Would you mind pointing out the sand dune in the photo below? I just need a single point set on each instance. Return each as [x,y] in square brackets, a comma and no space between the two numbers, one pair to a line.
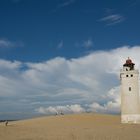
[70,127]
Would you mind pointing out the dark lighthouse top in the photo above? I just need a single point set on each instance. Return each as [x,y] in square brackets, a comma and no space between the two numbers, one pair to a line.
[129,64]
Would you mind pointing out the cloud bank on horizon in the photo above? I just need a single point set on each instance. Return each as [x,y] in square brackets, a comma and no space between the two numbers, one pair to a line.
[85,84]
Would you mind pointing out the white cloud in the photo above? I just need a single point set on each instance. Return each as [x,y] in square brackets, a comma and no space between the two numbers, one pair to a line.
[91,81]
[112,19]
[61,109]
[4,64]
[111,106]
[60,45]
[66,3]
[4,43]
[63,4]
[88,43]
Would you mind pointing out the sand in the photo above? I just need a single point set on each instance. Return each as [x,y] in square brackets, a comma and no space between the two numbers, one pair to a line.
[71,127]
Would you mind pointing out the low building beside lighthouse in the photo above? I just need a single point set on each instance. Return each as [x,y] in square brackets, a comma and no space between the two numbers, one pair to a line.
[130,102]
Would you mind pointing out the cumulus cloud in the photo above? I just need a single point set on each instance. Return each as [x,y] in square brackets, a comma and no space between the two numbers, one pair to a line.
[112,19]
[111,106]
[61,109]
[89,83]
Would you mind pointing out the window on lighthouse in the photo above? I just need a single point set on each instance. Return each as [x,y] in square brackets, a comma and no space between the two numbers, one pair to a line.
[129,88]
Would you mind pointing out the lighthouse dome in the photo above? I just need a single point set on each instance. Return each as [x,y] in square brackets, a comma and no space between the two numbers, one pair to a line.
[129,64]
[128,61]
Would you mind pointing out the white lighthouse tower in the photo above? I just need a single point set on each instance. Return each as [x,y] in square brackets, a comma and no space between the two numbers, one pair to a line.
[130,104]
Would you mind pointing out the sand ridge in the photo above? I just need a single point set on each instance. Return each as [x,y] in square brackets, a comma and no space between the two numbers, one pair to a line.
[86,126]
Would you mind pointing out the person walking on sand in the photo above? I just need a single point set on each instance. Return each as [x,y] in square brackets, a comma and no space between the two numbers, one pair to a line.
[6,123]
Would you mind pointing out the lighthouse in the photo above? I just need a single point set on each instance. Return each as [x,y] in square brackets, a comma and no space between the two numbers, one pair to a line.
[130,104]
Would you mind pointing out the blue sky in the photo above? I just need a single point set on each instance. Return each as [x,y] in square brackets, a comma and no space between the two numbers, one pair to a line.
[56,55]
[43,29]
